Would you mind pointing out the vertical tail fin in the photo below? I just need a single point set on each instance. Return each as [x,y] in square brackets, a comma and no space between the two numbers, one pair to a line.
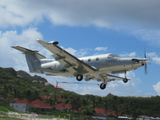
[32,58]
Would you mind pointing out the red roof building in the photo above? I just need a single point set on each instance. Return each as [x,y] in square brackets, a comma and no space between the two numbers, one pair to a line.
[58,87]
[61,106]
[39,104]
[24,105]
[100,111]
[47,84]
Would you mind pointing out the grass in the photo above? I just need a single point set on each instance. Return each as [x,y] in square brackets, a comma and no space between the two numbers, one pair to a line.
[67,114]
[6,109]
[9,118]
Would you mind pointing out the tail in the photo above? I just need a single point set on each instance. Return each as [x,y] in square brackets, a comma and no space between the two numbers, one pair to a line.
[32,58]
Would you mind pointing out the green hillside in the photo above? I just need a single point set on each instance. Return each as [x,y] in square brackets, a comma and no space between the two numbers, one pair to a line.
[21,85]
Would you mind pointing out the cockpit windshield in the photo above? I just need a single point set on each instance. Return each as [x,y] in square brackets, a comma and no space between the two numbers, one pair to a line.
[112,56]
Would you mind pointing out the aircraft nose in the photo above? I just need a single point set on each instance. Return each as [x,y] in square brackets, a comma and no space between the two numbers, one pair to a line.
[146,60]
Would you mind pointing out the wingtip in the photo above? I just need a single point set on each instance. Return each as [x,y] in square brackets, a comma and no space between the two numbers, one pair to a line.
[15,47]
[44,42]
[41,41]
[38,40]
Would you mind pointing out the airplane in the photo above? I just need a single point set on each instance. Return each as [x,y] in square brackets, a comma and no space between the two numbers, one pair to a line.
[97,67]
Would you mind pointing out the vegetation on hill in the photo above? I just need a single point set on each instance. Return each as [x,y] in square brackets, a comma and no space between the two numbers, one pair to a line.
[21,85]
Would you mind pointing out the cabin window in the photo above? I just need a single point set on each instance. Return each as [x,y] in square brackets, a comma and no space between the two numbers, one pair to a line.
[97,59]
[89,60]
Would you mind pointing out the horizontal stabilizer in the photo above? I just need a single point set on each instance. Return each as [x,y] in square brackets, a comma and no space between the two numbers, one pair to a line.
[28,51]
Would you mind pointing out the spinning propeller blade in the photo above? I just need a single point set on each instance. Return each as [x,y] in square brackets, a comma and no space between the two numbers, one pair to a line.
[145,65]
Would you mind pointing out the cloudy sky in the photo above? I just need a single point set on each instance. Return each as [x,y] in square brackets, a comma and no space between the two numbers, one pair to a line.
[124,27]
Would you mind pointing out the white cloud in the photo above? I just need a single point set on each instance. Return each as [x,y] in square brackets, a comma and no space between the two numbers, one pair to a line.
[157,88]
[132,54]
[104,13]
[154,57]
[77,53]
[101,48]
[148,35]
[11,57]
[71,50]
[85,13]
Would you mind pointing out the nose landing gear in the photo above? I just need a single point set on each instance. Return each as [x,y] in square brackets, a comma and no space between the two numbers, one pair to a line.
[125,80]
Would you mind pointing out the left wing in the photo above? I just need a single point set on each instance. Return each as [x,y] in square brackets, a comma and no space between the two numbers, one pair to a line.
[70,62]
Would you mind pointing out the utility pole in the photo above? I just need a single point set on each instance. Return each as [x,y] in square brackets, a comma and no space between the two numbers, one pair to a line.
[55,93]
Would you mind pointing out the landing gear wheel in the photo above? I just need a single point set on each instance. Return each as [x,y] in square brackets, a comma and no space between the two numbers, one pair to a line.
[79,77]
[125,80]
[102,86]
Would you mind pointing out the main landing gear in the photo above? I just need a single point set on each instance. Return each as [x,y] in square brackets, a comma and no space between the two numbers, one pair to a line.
[103,86]
[79,77]
[125,80]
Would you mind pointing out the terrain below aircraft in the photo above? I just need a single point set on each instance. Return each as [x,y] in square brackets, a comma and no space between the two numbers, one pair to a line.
[97,67]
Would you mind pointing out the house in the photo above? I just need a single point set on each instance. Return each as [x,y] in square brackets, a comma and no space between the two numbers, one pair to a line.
[47,84]
[100,111]
[26,106]
[58,87]
[62,106]
[40,105]
[21,105]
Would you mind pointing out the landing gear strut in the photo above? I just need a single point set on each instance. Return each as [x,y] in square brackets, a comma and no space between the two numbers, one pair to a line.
[79,77]
[125,80]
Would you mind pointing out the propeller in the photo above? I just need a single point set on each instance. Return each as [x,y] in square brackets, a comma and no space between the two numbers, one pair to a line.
[145,64]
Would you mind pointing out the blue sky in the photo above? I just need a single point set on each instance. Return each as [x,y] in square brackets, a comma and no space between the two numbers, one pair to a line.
[84,28]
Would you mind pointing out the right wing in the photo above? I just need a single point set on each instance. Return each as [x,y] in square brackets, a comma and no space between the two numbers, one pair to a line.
[70,62]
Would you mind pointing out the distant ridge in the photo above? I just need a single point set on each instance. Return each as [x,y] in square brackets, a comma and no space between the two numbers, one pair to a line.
[23,74]
[28,76]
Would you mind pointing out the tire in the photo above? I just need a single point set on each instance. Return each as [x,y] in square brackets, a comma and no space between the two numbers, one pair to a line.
[102,86]
[125,80]
[79,77]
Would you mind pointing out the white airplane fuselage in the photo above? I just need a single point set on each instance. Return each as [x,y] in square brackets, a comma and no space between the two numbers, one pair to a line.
[102,63]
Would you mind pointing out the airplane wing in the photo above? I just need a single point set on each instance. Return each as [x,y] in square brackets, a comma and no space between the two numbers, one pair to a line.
[25,50]
[70,62]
